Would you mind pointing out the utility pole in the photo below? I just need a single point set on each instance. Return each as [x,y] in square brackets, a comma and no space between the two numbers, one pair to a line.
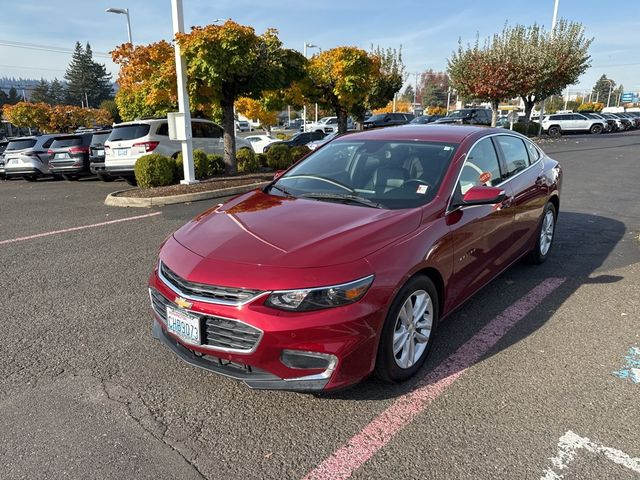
[183,127]
[415,94]
[610,88]
[448,98]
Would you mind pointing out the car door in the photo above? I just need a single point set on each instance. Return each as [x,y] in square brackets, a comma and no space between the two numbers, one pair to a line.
[580,122]
[480,234]
[524,174]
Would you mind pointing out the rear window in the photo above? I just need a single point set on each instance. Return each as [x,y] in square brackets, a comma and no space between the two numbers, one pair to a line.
[128,132]
[21,144]
[99,138]
[66,142]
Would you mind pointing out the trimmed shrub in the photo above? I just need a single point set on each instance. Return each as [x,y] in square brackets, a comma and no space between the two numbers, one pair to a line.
[216,163]
[279,157]
[262,159]
[282,136]
[247,161]
[154,170]
[298,152]
[200,165]
[532,132]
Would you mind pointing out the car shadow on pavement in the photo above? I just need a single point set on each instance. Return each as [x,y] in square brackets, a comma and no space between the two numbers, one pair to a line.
[582,249]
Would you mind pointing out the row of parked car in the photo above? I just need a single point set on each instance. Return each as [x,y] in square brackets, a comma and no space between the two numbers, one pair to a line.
[108,153]
[596,123]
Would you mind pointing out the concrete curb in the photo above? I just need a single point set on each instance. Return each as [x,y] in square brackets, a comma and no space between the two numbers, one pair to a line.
[115,200]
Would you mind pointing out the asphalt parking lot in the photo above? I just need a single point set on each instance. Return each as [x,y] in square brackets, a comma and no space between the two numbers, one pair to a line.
[532,378]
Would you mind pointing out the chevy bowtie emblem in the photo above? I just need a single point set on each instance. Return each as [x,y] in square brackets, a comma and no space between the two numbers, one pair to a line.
[182,303]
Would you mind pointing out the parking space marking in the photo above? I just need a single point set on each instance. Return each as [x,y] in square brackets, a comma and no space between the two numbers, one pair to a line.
[74,229]
[632,369]
[361,447]
[570,443]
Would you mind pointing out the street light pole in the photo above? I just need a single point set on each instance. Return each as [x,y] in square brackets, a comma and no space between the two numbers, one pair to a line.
[610,88]
[304,107]
[184,128]
[122,11]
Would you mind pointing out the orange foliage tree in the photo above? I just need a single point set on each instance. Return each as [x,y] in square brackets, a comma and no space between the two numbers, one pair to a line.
[55,119]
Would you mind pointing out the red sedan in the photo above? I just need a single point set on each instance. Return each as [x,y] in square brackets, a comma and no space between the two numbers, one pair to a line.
[345,264]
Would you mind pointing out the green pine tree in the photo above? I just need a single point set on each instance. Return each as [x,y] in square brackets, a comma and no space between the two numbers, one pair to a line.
[57,92]
[13,96]
[87,81]
[40,92]
[601,90]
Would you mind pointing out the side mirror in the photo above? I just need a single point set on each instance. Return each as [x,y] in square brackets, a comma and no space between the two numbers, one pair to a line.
[481,195]
[278,174]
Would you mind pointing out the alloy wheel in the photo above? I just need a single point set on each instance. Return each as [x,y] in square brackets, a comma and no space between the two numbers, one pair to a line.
[546,232]
[412,329]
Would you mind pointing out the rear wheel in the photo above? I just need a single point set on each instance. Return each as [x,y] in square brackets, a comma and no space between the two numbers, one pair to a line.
[554,131]
[30,178]
[545,236]
[408,330]
[596,129]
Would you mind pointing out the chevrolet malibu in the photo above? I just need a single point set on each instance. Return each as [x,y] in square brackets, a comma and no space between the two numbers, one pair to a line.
[347,262]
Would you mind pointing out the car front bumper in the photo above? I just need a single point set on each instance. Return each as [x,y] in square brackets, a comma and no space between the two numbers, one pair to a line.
[348,334]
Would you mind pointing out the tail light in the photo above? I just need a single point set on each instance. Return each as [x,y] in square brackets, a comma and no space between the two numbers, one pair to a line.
[148,146]
[107,150]
[49,152]
[79,150]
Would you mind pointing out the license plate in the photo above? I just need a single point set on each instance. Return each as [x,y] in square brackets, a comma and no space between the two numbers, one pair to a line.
[12,161]
[122,152]
[184,325]
[60,155]
[100,153]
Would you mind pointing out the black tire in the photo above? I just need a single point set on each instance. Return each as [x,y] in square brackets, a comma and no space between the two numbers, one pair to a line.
[539,255]
[105,178]
[554,131]
[387,368]
[596,129]
[30,178]
[131,181]
[69,178]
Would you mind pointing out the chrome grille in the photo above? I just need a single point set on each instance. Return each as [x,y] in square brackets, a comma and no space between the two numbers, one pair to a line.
[206,293]
[220,333]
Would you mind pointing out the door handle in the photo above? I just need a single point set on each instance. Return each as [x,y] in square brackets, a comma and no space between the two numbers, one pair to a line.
[541,181]
[506,203]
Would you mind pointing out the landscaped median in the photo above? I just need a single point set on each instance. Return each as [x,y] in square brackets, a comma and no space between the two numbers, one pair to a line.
[206,189]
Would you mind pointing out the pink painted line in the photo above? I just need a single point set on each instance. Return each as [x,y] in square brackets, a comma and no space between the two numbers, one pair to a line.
[361,447]
[74,229]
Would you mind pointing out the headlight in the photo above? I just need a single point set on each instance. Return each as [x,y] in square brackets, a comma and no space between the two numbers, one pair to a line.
[308,299]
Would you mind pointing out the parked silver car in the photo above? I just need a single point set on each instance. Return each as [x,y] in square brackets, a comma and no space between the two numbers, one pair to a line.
[28,157]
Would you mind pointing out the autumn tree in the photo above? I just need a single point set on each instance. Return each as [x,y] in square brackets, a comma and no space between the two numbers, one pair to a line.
[434,87]
[387,81]
[147,80]
[342,79]
[545,63]
[265,110]
[484,73]
[229,61]
[55,119]
[28,115]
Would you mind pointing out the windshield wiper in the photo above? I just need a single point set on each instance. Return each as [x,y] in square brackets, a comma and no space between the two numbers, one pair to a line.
[282,189]
[343,197]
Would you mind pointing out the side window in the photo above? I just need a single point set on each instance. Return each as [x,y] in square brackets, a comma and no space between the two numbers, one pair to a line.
[196,130]
[534,153]
[515,153]
[481,167]
[48,143]
[215,131]
[163,129]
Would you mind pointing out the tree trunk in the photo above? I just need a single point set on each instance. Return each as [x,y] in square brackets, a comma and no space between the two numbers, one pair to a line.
[494,112]
[229,126]
[529,103]
[342,120]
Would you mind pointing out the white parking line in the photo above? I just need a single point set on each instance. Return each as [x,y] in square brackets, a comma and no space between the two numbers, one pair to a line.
[74,229]
[570,443]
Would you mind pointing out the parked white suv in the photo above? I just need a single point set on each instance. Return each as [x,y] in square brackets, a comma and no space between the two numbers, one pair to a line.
[129,141]
[571,122]
[328,125]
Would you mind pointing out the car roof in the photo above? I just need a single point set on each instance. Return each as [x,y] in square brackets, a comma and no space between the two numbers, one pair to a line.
[416,132]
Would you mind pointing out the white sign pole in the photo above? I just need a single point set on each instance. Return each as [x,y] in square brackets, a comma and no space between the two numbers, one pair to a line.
[183,97]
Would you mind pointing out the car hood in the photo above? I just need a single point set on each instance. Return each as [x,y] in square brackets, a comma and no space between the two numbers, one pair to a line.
[261,229]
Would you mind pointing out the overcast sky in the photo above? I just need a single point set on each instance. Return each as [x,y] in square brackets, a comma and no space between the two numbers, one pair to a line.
[428,30]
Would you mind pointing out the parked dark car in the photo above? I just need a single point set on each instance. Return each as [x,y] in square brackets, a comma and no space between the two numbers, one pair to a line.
[468,116]
[69,156]
[387,120]
[3,147]
[96,155]
[298,140]
[424,119]
[610,124]
[346,263]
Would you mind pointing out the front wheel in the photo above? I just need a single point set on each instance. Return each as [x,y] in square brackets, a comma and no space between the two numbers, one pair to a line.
[554,131]
[408,330]
[596,129]
[545,235]
[30,178]
[105,177]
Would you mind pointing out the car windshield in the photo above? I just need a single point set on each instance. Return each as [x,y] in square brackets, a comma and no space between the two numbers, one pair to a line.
[370,173]
[63,142]
[460,113]
[128,132]
[21,144]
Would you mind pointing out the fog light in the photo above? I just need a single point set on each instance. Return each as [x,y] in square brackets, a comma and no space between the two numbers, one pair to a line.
[308,360]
